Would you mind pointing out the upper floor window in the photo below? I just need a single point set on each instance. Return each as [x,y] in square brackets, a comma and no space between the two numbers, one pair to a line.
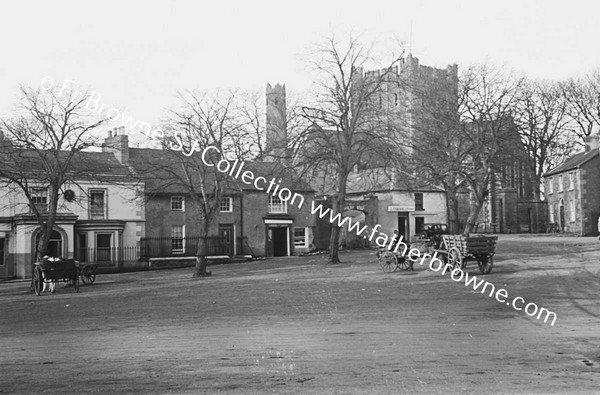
[97,204]
[177,203]
[277,205]
[560,183]
[419,201]
[226,205]
[39,197]
[550,185]
[571,180]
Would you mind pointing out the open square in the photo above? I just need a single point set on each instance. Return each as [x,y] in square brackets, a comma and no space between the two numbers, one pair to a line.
[296,325]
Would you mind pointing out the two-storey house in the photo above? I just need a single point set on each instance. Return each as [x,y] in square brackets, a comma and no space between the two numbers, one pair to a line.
[98,214]
[573,191]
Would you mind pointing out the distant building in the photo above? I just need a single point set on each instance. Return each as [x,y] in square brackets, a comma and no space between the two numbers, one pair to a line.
[573,191]
[510,206]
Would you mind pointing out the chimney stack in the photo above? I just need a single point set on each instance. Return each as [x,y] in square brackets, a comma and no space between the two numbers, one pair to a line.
[117,144]
[592,142]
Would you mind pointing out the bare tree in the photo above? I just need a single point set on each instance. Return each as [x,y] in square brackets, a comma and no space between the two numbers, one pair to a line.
[583,98]
[221,120]
[488,98]
[346,129]
[41,151]
[543,119]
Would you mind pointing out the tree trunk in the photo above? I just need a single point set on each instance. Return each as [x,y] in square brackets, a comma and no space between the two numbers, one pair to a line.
[475,205]
[201,253]
[452,207]
[338,207]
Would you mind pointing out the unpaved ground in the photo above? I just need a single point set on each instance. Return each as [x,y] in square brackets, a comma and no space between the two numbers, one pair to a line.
[294,325]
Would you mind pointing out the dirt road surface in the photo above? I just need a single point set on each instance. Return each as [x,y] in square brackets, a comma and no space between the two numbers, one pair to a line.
[296,325]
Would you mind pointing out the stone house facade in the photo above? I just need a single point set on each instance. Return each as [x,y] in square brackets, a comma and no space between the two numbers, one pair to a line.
[573,191]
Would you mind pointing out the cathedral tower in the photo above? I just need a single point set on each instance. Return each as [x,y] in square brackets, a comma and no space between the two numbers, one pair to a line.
[276,139]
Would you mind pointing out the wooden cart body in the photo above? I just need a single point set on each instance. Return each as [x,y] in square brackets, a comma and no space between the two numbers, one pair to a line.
[458,249]
[51,271]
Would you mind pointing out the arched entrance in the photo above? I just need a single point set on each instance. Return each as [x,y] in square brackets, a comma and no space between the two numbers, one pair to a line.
[55,244]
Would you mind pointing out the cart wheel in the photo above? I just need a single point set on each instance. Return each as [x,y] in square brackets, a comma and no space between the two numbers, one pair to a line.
[38,281]
[76,284]
[485,264]
[455,258]
[404,263]
[388,261]
[88,276]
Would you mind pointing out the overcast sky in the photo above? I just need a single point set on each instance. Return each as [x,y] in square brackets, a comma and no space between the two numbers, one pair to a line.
[138,54]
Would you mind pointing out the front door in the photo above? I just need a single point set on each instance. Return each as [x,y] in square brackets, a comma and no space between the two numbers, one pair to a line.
[561,216]
[403,226]
[277,241]
[226,236]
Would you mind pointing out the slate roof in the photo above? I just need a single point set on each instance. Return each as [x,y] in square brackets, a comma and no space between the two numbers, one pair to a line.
[379,180]
[162,171]
[573,162]
[84,164]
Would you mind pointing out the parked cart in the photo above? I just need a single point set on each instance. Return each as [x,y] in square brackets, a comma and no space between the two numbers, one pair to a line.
[87,273]
[48,271]
[458,249]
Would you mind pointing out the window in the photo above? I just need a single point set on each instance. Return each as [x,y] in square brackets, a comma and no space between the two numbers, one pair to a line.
[39,198]
[560,183]
[177,239]
[419,201]
[226,206]
[419,222]
[571,180]
[177,203]
[277,205]
[572,209]
[300,237]
[97,204]
[550,186]
[551,207]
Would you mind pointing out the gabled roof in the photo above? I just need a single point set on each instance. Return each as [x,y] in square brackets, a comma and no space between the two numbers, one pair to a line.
[163,171]
[573,162]
[381,179]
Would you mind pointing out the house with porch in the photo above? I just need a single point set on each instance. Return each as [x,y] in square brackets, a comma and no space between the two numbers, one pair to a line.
[98,214]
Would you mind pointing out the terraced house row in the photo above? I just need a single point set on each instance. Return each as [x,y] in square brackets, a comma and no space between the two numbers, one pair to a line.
[125,209]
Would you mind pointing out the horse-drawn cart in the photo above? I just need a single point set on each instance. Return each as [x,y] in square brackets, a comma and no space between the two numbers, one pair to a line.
[49,271]
[458,249]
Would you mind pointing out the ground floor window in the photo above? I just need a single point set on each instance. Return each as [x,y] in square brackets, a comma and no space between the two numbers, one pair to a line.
[2,252]
[419,222]
[103,247]
[300,237]
[177,239]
